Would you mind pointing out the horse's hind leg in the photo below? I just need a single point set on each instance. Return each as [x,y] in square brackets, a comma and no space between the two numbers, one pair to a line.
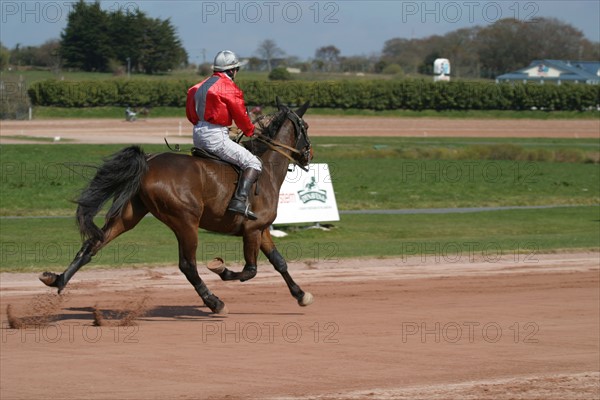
[251,246]
[276,259]
[187,237]
[133,212]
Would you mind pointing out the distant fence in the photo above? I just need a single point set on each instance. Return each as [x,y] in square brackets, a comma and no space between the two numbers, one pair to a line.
[372,95]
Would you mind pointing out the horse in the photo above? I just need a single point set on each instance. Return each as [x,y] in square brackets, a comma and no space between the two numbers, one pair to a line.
[187,193]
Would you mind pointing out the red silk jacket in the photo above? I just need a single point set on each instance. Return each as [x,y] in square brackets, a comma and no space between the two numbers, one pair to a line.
[218,100]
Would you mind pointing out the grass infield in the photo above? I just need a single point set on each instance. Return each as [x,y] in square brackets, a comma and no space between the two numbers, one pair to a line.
[35,244]
[368,173]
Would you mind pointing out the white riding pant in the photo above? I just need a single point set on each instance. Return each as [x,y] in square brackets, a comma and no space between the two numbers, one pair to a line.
[215,139]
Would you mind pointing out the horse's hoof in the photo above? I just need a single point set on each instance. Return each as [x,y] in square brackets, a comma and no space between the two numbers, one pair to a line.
[53,280]
[49,278]
[220,308]
[306,300]
[217,265]
[223,311]
[216,305]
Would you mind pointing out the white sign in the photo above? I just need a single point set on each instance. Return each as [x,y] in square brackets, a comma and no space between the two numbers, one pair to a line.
[441,69]
[307,196]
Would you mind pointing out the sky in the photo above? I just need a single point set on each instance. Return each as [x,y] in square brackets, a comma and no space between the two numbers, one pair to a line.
[298,27]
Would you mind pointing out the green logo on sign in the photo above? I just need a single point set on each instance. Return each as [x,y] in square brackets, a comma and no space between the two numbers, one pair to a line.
[311,192]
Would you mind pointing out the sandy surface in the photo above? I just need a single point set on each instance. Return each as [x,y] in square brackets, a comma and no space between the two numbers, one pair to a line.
[179,130]
[515,328]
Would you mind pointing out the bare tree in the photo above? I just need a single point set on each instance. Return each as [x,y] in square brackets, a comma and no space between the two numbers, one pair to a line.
[268,50]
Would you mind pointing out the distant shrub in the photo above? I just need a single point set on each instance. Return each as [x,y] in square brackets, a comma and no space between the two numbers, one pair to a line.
[406,94]
[280,74]
[392,69]
[570,155]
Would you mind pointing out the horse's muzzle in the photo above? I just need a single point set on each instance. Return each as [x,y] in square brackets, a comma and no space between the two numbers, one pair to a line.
[308,154]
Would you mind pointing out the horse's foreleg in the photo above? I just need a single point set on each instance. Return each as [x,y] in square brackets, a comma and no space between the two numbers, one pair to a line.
[132,214]
[277,260]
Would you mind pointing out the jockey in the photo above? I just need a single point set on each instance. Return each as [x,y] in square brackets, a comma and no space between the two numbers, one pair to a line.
[211,106]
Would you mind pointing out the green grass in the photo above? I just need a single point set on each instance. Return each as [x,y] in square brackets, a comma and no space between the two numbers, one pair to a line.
[367,173]
[37,244]
[438,184]
[457,114]
[103,112]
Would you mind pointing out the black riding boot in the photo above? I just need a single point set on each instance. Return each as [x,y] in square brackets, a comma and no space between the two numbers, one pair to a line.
[239,203]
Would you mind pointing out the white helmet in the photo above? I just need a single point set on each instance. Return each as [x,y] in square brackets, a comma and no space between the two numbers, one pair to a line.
[225,60]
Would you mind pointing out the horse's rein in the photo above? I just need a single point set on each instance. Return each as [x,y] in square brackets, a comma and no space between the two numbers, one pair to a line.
[275,145]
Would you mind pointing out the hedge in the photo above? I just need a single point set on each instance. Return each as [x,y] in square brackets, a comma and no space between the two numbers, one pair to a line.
[373,95]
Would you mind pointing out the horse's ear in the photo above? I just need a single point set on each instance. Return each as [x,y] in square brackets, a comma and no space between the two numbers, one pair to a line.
[300,112]
[278,102]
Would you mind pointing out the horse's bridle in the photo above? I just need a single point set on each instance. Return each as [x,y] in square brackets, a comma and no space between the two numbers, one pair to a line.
[300,157]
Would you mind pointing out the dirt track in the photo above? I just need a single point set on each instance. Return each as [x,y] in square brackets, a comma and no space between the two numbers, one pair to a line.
[523,327]
[397,328]
[179,131]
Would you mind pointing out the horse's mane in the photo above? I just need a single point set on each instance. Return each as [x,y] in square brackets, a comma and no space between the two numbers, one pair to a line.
[268,125]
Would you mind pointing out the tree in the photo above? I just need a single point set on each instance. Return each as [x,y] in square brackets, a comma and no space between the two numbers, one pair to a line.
[48,54]
[94,39]
[356,64]
[161,49]
[589,50]
[427,67]
[408,53]
[504,46]
[85,41]
[254,64]
[4,56]
[459,47]
[509,44]
[268,50]
[129,28]
[329,56]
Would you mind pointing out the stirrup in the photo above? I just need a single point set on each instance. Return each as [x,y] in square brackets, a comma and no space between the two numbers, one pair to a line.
[249,214]
[245,212]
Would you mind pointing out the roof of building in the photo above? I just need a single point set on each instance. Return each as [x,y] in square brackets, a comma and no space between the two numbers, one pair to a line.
[587,71]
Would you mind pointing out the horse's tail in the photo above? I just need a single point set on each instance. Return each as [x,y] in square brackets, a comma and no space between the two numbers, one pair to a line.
[119,177]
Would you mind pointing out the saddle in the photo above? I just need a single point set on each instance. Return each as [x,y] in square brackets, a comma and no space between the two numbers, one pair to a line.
[201,153]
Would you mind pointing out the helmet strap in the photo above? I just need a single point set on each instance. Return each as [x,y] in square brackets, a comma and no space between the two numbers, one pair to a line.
[230,73]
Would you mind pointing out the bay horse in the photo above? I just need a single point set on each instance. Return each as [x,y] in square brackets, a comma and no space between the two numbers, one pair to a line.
[186,193]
